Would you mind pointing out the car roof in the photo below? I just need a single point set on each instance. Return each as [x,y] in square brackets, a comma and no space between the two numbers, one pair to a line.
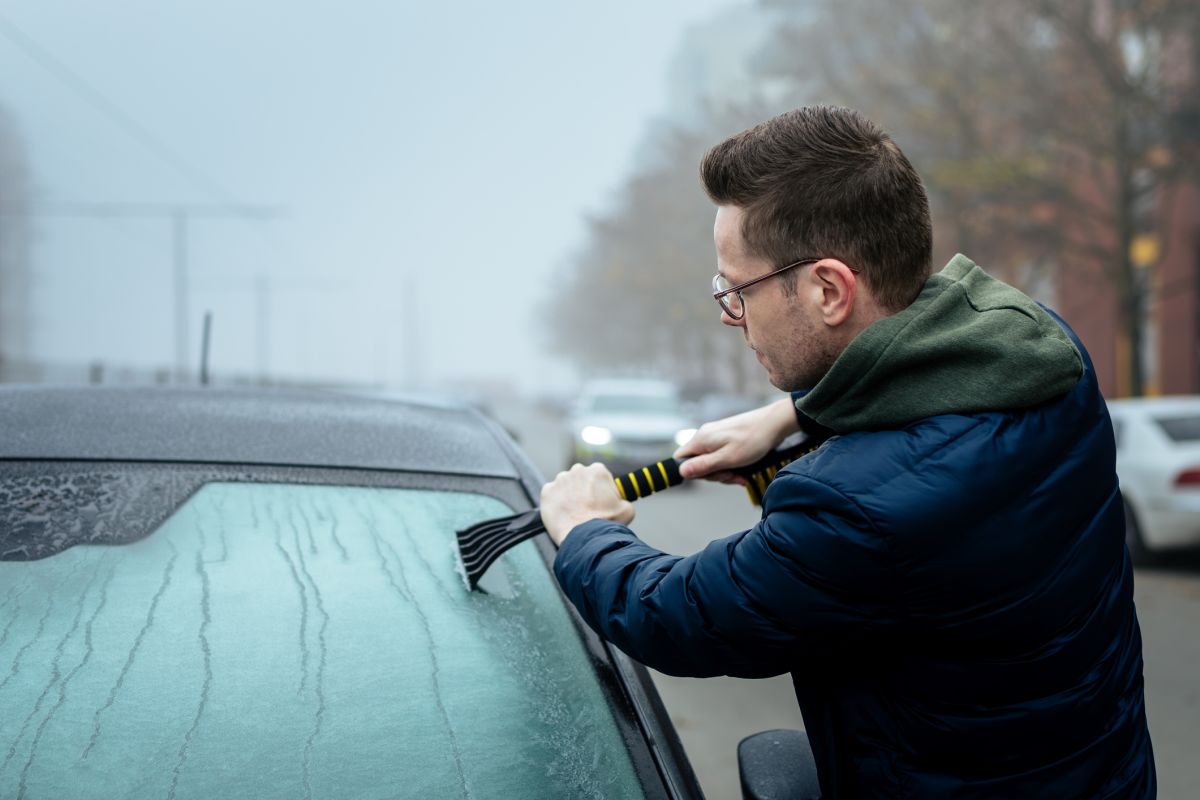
[1171,404]
[629,386]
[250,426]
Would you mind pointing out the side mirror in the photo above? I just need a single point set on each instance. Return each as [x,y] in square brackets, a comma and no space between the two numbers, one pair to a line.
[778,765]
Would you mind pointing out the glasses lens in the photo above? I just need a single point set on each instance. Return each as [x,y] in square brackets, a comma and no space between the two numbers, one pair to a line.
[732,302]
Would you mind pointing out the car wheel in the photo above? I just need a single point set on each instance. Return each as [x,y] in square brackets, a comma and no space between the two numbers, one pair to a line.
[1138,552]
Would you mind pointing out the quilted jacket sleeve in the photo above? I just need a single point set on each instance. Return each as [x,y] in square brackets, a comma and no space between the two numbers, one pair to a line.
[810,577]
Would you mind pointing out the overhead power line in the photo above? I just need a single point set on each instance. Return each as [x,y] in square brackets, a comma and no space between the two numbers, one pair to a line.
[179,215]
[109,109]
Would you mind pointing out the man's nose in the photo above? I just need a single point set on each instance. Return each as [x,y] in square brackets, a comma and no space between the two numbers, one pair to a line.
[731,322]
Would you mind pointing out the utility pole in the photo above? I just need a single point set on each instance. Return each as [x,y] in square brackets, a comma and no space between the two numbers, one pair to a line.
[262,323]
[411,327]
[204,343]
[180,215]
[179,223]
[267,292]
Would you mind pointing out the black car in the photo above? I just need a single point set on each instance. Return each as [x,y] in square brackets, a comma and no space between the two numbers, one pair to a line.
[217,593]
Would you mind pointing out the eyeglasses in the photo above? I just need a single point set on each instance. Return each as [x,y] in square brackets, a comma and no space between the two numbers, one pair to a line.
[730,297]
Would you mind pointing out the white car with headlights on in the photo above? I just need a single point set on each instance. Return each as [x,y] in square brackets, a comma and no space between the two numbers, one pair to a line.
[627,423]
[1158,463]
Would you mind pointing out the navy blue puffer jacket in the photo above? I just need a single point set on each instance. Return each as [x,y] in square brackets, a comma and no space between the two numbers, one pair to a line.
[951,593]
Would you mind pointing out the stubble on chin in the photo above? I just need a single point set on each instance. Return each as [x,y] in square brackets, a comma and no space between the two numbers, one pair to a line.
[804,377]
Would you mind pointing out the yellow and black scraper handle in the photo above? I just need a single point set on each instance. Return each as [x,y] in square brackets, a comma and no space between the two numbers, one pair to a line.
[482,543]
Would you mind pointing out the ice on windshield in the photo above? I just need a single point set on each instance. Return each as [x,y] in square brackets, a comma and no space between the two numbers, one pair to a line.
[295,641]
[62,505]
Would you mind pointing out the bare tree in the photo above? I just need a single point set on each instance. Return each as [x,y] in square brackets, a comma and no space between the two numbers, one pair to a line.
[637,296]
[1119,133]
[1046,129]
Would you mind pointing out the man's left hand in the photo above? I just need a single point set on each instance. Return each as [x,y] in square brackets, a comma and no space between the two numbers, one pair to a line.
[581,494]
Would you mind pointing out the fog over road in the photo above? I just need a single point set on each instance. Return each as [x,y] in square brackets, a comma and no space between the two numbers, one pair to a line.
[713,714]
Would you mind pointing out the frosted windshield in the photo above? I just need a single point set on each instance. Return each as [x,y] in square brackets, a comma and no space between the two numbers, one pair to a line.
[298,641]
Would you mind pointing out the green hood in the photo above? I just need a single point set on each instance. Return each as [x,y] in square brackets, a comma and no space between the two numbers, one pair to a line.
[968,343]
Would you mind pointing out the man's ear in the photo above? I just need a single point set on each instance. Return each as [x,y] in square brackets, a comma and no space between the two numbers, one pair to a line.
[838,287]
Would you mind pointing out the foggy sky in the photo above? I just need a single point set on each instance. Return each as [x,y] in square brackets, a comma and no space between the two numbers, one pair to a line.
[433,162]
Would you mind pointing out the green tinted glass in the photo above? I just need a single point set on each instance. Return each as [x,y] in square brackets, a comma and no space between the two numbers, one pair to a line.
[298,641]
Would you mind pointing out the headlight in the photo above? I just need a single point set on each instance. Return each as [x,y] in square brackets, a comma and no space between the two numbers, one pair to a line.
[595,435]
[684,436]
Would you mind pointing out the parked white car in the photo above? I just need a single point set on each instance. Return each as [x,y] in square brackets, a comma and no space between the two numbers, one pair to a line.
[1158,463]
[626,423]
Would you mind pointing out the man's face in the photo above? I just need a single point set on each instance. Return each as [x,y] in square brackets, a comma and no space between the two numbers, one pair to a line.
[783,330]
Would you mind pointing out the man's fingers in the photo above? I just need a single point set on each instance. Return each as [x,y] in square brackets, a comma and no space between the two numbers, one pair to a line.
[699,466]
[692,448]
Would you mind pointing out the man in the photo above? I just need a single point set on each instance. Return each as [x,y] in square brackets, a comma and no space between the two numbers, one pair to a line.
[945,578]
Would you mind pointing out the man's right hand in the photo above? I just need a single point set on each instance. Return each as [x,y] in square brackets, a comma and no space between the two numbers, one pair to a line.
[736,441]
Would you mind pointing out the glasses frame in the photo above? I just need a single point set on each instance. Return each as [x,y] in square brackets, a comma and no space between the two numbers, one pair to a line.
[720,294]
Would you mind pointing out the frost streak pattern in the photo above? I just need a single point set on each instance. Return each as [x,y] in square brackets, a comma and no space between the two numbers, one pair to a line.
[293,641]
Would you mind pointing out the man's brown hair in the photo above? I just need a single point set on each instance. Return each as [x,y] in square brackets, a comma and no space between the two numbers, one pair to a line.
[823,181]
